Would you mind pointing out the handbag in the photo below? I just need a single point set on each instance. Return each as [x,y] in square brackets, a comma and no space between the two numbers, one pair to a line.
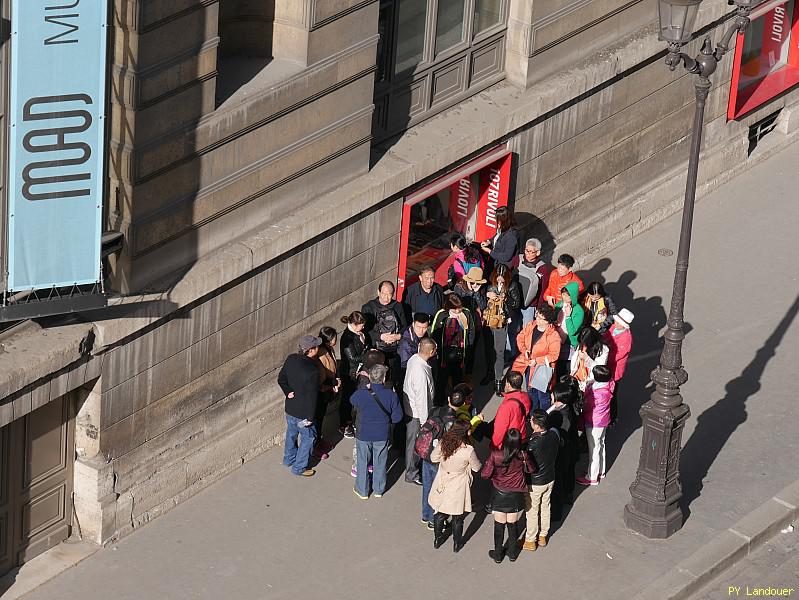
[494,314]
[542,376]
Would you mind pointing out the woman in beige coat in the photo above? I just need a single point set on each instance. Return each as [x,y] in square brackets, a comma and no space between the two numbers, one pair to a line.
[451,492]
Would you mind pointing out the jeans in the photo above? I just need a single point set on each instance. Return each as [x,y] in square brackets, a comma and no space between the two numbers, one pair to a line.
[538,505]
[528,314]
[538,399]
[596,452]
[429,471]
[411,458]
[295,456]
[376,454]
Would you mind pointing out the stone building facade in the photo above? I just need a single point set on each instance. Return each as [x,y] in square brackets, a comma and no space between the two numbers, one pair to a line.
[261,158]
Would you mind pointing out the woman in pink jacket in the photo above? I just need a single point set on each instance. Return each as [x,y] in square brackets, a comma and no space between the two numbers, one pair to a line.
[595,419]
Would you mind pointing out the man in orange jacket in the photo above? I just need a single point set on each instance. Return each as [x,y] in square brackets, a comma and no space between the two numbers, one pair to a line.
[559,278]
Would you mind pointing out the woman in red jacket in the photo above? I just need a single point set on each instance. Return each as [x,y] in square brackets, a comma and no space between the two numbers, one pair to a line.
[620,342]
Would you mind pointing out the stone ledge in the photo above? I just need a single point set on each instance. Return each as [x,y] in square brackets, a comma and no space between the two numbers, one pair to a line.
[31,351]
[729,546]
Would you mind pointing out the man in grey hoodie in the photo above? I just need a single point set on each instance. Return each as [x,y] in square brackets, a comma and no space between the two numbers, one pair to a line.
[533,276]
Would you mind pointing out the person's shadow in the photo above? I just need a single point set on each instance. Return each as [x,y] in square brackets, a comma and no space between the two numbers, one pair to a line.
[716,424]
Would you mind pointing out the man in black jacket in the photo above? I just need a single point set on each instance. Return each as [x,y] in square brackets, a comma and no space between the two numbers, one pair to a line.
[385,322]
[424,296]
[543,450]
[299,380]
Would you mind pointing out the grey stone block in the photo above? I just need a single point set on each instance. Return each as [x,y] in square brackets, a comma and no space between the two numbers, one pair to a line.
[169,375]
[22,402]
[237,337]
[790,495]
[712,558]
[94,367]
[763,522]
[161,485]
[6,411]
[40,395]
[163,449]
[58,383]
[116,404]
[123,436]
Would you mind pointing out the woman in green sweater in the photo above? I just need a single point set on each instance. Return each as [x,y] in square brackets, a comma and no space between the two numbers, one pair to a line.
[570,316]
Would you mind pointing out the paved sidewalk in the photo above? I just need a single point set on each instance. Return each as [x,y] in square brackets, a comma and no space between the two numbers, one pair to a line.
[261,533]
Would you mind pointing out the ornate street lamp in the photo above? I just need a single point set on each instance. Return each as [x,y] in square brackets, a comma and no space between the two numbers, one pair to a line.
[654,510]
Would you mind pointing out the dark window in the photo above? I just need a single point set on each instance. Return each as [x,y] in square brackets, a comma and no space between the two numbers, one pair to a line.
[245,43]
[433,54]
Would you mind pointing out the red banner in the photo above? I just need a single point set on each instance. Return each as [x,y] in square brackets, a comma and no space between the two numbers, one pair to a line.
[494,182]
[461,204]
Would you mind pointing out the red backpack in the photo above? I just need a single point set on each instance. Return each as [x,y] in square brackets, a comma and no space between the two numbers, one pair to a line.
[431,430]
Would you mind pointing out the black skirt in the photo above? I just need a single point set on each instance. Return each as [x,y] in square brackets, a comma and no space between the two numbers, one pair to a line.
[507,502]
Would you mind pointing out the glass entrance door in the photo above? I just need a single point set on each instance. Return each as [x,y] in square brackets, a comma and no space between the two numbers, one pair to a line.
[463,202]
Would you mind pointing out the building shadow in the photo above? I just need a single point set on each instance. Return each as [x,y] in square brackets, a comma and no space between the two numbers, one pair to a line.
[716,424]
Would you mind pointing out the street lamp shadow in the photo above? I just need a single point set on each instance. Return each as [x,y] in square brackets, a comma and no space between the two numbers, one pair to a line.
[715,425]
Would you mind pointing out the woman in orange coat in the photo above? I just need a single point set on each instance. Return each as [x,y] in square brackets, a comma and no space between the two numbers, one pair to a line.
[539,344]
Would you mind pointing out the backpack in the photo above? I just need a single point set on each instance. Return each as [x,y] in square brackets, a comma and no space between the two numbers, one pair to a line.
[431,430]
[467,264]
[386,321]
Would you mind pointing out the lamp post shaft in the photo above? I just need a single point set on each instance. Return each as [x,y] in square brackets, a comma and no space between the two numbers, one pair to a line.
[654,509]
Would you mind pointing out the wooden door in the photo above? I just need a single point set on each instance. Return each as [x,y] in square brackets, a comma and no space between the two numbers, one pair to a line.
[36,483]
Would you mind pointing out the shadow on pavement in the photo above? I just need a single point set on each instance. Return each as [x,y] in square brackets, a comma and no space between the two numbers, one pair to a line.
[717,423]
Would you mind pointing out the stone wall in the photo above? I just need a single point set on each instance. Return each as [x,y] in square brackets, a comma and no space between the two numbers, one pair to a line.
[603,169]
[189,399]
[193,165]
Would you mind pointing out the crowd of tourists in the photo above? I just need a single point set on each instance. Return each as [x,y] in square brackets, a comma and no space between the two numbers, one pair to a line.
[555,351]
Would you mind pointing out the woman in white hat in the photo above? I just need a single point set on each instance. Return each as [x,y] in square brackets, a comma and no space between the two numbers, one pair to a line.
[619,339]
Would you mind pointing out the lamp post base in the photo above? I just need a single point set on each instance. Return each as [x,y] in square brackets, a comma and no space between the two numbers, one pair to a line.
[654,521]
[654,510]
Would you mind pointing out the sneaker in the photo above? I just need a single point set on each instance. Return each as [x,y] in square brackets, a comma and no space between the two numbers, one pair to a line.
[430,526]
[354,472]
[308,473]
[530,545]
[377,495]
[348,432]
[354,491]
[585,481]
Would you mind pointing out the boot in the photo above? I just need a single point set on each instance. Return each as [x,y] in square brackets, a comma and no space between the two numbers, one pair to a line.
[498,553]
[457,533]
[438,530]
[513,541]
[498,387]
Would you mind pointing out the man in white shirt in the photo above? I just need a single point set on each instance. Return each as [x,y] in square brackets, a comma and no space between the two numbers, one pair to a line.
[417,395]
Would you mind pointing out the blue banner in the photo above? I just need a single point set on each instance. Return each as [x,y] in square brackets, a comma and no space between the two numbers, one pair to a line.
[56,149]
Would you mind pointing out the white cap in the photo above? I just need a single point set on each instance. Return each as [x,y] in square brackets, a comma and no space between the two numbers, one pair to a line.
[625,317]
